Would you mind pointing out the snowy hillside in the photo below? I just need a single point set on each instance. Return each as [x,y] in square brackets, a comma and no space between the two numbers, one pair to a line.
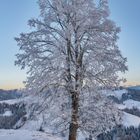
[25,135]
[117,93]
[12,101]
[131,104]
[130,120]
[9,94]
[29,130]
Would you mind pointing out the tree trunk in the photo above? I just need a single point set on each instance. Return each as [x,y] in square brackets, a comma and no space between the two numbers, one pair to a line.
[74,97]
[75,94]
[74,118]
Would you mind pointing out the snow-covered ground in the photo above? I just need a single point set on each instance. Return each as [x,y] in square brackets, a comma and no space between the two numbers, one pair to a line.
[131,104]
[25,135]
[18,100]
[130,120]
[116,93]
[28,131]
[7,113]
[127,119]
[12,101]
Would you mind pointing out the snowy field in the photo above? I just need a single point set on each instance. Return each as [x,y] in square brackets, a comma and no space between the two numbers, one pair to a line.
[11,102]
[117,93]
[131,104]
[28,131]
[25,135]
[130,120]
[127,119]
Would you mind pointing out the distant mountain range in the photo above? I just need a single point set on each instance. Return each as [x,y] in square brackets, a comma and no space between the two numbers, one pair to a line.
[9,94]
[134,87]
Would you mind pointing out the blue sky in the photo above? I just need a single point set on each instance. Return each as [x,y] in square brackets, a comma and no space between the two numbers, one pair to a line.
[126,14]
[13,20]
[14,15]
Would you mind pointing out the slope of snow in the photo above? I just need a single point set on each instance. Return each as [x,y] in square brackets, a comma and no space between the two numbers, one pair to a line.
[25,135]
[18,100]
[12,101]
[131,103]
[117,93]
[130,120]
[32,125]
[7,113]
[120,106]
[28,131]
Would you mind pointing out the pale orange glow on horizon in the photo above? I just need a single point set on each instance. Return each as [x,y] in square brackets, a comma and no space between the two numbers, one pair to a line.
[21,85]
[12,86]
[128,83]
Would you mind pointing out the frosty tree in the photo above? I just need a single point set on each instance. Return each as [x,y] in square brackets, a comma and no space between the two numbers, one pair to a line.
[69,54]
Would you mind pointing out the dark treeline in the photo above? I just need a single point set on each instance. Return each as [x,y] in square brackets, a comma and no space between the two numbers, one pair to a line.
[121,133]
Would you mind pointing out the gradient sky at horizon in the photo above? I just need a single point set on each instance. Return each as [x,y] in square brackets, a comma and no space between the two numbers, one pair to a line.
[14,15]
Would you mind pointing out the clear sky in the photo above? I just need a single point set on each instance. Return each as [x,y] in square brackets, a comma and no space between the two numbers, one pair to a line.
[14,15]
